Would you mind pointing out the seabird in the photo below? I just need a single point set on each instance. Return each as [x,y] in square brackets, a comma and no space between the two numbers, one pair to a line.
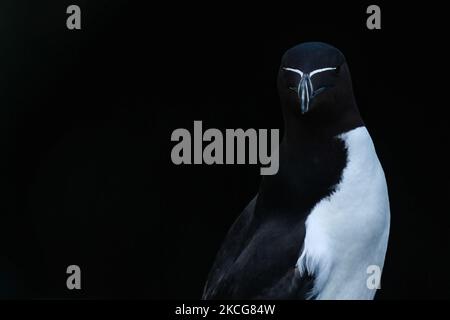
[316,227]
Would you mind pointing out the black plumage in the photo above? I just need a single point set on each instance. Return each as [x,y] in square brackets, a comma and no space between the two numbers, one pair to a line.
[259,255]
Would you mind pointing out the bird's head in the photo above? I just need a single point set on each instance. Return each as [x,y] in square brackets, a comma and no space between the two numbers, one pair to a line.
[314,78]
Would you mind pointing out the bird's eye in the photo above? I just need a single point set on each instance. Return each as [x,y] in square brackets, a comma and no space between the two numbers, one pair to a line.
[337,70]
[291,79]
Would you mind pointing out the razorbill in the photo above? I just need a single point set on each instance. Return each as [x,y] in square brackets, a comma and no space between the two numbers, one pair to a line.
[316,227]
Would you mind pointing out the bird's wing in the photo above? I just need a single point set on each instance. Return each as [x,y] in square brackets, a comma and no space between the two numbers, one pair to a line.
[291,285]
[259,261]
[230,249]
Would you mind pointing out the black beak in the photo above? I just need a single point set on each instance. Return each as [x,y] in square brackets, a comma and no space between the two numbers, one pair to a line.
[305,93]
[305,89]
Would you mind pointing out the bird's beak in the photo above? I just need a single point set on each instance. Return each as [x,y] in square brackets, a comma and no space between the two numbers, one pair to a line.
[305,93]
[305,90]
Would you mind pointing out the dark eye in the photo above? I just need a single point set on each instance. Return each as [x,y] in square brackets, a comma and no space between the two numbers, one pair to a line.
[291,79]
[337,70]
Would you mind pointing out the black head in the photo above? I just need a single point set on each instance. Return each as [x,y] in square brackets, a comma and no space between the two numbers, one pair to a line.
[314,83]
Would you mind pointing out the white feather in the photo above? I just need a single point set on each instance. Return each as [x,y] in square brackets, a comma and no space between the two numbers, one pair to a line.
[348,231]
[320,70]
[311,73]
[294,70]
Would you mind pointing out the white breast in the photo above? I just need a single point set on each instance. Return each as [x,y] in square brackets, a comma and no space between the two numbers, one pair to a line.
[347,232]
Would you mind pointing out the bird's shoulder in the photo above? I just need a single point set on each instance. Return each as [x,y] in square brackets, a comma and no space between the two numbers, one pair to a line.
[258,259]
[232,245]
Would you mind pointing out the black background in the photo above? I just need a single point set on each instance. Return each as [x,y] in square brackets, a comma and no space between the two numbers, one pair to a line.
[86,118]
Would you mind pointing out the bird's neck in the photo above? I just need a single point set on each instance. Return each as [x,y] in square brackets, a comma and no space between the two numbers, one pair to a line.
[312,160]
[319,126]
